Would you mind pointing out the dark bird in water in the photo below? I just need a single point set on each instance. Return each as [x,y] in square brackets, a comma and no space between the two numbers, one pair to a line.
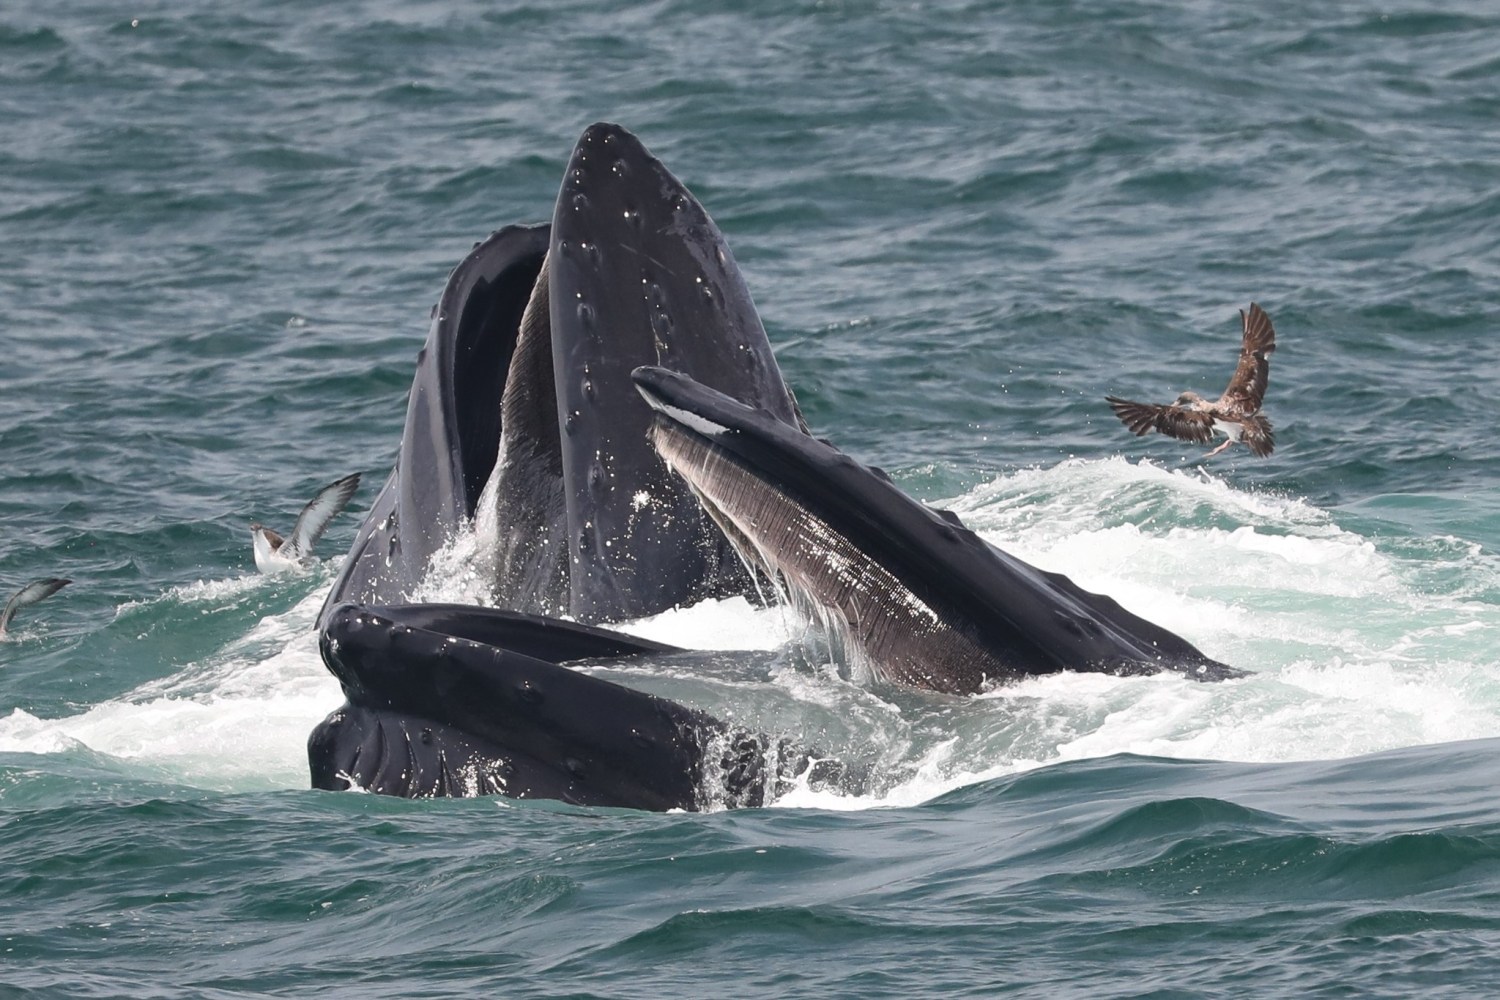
[1236,414]
[274,554]
[28,595]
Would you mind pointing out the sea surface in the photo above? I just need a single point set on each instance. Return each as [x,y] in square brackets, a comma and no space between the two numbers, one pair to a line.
[222,227]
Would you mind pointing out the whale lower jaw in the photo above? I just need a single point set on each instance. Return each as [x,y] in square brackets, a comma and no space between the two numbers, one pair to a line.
[494,711]
[918,598]
[886,630]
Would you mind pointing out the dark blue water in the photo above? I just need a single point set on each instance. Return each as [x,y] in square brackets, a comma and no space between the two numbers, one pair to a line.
[221,231]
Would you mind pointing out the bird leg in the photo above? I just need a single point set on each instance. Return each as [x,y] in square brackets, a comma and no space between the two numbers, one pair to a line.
[1220,448]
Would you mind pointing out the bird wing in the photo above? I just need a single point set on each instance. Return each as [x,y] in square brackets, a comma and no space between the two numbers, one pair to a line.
[1257,435]
[1173,421]
[28,595]
[315,517]
[1248,385]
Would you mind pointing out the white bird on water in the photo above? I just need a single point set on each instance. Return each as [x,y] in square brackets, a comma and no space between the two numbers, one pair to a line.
[28,595]
[274,554]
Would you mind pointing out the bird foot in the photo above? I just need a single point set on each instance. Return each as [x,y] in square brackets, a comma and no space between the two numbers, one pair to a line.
[1220,448]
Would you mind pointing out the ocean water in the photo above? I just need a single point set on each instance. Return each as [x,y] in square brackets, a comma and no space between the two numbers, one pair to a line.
[964,223]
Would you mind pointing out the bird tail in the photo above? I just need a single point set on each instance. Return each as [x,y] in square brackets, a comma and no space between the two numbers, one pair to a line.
[1257,435]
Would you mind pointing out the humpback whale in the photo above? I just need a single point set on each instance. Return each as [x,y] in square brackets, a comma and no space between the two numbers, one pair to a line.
[523,423]
[529,425]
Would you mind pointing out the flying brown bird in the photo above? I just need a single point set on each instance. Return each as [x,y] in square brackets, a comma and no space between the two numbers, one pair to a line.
[1236,414]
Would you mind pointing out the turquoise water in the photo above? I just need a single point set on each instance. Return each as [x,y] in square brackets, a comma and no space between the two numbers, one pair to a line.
[221,232]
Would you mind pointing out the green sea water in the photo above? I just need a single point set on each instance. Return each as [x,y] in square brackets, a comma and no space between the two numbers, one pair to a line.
[221,232]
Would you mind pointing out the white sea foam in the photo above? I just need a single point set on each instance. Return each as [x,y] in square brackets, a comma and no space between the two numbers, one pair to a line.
[237,721]
[200,592]
[1356,646]
[1354,649]
[461,569]
[733,623]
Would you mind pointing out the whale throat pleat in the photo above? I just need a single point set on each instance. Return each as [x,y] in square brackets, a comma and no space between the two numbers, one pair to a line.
[884,626]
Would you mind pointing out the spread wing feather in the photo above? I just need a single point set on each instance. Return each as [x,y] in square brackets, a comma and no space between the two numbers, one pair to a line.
[1174,421]
[320,510]
[28,595]
[1247,387]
